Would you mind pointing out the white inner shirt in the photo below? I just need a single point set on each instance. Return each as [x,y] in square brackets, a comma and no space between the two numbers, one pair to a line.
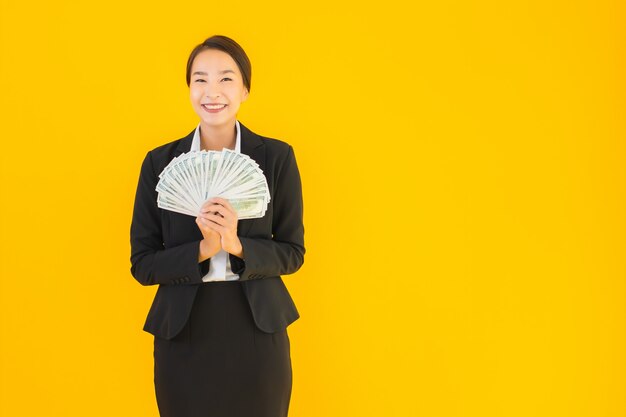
[219,266]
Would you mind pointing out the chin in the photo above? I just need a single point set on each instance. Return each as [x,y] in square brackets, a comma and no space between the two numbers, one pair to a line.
[214,121]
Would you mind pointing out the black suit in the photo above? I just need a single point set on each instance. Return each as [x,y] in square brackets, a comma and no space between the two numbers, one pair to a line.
[165,244]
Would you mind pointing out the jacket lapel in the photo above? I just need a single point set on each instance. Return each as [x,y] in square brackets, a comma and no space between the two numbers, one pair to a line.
[251,145]
[184,144]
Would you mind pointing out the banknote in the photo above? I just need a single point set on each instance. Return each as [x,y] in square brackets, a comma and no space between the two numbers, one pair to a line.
[195,176]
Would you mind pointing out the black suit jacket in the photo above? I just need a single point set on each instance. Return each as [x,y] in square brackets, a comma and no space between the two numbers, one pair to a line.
[165,244]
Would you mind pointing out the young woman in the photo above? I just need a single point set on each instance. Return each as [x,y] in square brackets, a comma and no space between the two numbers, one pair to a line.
[221,311]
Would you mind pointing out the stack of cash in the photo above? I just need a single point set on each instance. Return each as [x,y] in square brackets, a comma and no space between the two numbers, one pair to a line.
[195,176]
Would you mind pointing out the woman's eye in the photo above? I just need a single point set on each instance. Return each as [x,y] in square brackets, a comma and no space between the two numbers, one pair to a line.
[230,79]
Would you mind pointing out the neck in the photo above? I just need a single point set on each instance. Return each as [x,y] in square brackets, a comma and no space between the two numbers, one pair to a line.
[215,138]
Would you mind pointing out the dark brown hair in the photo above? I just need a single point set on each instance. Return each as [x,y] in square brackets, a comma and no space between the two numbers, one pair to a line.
[232,48]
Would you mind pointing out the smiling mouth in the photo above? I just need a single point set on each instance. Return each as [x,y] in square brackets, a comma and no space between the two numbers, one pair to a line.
[213,107]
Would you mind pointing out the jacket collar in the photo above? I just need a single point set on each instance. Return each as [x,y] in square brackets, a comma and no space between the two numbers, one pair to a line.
[249,142]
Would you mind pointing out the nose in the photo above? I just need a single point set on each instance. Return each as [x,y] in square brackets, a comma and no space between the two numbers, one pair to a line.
[212,90]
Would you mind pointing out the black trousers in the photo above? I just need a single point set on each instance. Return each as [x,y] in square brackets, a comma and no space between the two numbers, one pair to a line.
[221,364]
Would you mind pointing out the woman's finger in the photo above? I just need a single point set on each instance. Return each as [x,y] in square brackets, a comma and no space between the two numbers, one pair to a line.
[215,208]
[224,202]
[214,227]
[231,216]
[208,204]
[221,202]
[216,218]
[205,226]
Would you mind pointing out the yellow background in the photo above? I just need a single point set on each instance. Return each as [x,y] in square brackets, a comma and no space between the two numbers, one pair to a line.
[463,173]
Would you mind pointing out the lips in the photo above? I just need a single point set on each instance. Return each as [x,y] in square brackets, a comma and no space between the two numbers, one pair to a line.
[210,108]
[215,106]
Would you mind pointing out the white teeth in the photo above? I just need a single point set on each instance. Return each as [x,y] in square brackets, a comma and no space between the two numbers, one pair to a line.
[215,107]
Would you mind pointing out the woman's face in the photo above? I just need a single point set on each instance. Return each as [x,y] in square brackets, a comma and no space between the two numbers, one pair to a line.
[216,79]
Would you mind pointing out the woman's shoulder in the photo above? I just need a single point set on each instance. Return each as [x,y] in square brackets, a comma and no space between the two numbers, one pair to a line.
[161,155]
[172,145]
[169,147]
[273,145]
[277,145]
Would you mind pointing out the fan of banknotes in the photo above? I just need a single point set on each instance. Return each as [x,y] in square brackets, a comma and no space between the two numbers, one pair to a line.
[195,176]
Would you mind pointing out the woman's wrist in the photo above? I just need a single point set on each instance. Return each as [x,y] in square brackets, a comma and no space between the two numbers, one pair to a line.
[207,250]
[237,249]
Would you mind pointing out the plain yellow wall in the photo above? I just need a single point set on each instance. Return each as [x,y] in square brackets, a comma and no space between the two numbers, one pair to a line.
[463,173]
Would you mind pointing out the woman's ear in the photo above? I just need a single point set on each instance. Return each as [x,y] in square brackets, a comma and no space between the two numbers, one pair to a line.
[245,95]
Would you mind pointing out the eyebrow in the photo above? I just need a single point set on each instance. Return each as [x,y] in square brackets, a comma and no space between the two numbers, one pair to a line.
[220,72]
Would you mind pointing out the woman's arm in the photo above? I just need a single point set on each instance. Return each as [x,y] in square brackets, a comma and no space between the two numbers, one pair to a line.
[284,253]
[151,263]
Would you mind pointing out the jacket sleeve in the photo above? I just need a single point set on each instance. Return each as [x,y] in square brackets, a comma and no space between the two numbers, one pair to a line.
[284,252]
[151,262]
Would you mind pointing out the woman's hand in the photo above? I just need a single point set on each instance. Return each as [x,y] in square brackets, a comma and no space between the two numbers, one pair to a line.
[210,243]
[221,217]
